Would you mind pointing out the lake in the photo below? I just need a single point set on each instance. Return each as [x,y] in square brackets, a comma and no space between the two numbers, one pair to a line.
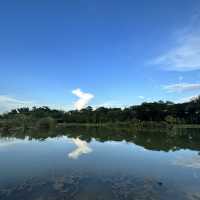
[100,164]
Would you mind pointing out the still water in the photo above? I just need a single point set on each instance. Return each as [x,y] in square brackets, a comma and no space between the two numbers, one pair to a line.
[97,164]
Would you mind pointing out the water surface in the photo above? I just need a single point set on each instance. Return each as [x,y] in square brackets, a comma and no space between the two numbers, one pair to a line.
[84,164]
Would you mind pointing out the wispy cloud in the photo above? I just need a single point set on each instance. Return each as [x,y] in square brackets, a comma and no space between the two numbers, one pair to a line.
[7,103]
[141,97]
[182,87]
[110,104]
[4,98]
[84,98]
[185,54]
[187,99]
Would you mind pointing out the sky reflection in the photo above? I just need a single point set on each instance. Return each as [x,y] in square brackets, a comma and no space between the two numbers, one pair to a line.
[6,142]
[191,162]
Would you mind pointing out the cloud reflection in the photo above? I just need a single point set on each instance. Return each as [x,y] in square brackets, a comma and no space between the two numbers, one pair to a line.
[82,148]
[192,162]
[5,142]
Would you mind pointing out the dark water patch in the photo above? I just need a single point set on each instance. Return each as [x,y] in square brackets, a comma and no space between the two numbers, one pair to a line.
[86,187]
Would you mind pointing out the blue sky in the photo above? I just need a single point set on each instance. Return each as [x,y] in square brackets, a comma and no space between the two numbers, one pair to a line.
[68,54]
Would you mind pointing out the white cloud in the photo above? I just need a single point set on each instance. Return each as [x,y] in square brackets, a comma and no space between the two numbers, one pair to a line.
[110,104]
[181,87]
[187,99]
[82,148]
[57,106]
[7,103]
[185,54]
[141,97]
[84,99]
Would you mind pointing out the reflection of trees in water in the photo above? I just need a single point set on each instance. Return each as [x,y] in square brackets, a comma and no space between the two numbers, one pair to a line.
[170,140]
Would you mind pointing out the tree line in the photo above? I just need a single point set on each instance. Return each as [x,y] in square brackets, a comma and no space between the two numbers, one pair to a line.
[160,111]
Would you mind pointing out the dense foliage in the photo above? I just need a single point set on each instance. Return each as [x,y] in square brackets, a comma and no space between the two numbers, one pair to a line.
[182,113]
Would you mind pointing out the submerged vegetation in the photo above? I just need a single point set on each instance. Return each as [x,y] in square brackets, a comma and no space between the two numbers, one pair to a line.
[156,115]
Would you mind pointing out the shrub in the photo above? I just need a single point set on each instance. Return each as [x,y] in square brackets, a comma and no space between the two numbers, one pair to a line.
[46,123]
